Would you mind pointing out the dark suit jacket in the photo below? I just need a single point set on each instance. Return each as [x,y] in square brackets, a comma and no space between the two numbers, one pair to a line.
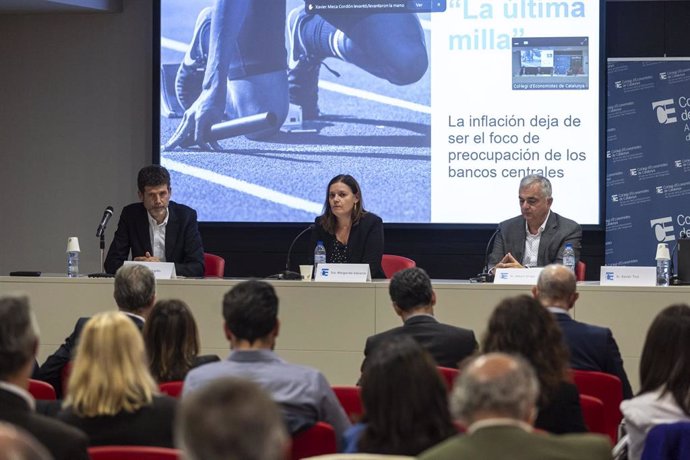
[593,348]
[563,413]
[557,232]
[365,245]
[447,344]
[62,441]
[182,239]
[51,370]
[149,426]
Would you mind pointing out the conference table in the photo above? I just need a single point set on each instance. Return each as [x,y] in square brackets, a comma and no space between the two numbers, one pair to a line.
[325,325]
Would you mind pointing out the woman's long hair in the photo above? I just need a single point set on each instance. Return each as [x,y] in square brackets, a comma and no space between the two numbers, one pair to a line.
[110,372]
[328,220]
[665,362]
[172,340]
[405,400]
[522,325]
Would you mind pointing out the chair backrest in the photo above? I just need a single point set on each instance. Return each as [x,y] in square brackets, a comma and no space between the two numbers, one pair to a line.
[580,269]
[173,388]
[449,375]
[317,440]
[609,390]
[133,453]
[41,390]
[214,266]
[669,441]
[351,400]
[593,413]
[392,264]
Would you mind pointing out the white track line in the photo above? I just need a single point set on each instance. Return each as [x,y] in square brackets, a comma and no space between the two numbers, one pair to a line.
[174,45]
[244,187]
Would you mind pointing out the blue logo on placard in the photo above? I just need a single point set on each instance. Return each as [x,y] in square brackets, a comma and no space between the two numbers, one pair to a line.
[609,276]
[504,276]
[324,272]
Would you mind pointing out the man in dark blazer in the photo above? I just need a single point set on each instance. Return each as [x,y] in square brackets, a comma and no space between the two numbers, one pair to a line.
[157,229]
[592,348]
[18,345]
[134,293]
[413,300]
[538,236]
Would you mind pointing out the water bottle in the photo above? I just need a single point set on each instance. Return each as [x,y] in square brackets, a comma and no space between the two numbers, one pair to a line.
[319,254]
[663,265]
[569,257]
[72,257]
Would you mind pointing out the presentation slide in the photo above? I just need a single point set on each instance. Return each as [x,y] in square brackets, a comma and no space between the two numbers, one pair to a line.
[437,107]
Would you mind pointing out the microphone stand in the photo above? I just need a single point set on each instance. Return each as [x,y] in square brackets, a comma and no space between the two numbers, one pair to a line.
[288,274]
[103,250]
[485,276]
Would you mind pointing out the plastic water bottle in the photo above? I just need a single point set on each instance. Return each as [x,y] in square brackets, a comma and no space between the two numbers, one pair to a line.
[663,265]
[72,257]
[319,254]
[569,257]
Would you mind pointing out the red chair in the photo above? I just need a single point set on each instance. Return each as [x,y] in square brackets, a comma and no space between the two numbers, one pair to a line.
[351,400]
[133,453]
[609,390]
[593,413]
[173,388]
[214,266]
[41,390]
[449,375]
[317,440]
[392,264]
[580,269]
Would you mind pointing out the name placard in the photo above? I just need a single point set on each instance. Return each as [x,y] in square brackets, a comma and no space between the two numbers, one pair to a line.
[517,275]
[627,276]
[343,273]
[161,270]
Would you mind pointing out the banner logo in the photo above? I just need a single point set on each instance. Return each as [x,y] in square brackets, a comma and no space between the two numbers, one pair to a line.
[662,75]
[665,112]
[663,229]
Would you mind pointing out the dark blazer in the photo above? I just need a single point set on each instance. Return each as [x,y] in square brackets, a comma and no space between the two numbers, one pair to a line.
[182,239]
[149,426]
[365,245]
[593,348]
[51,370]
[557,232]
[563,413]
[447,344]
[62,441]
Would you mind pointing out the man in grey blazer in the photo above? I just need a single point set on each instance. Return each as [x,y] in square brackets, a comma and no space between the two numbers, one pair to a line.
[537,236]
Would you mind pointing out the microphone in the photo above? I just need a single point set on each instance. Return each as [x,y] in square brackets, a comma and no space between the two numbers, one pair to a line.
[107,214]
[485,276]
[287,274]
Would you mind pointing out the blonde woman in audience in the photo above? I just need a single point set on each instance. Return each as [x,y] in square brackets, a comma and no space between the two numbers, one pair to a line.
[664,395]
[111,395]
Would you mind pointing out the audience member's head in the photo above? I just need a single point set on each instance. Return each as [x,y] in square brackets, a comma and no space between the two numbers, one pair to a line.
[135,289]
[18,339]
[172,340]
[665,359]
[17,444]
[495,385]
[410,290]
[152,176]
[110,372]
[556,287]
[520,325]
[231,419]
[250,310]
[405,400]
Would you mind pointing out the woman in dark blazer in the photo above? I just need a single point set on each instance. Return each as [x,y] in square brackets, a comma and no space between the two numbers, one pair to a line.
[349,233]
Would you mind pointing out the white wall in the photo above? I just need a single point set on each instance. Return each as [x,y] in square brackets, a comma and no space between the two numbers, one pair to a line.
[75,127]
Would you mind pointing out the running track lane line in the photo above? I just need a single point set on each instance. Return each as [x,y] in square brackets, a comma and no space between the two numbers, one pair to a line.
[244,187]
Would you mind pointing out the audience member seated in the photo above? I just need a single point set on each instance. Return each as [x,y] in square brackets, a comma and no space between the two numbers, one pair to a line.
[521,325]
[134,293]
[405,402]
[413,300]
[172,341]
[111,394]
[231,419]
[592,348]
[664,395]
[17,444]
[495,397]
[18,346]
[250,310]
